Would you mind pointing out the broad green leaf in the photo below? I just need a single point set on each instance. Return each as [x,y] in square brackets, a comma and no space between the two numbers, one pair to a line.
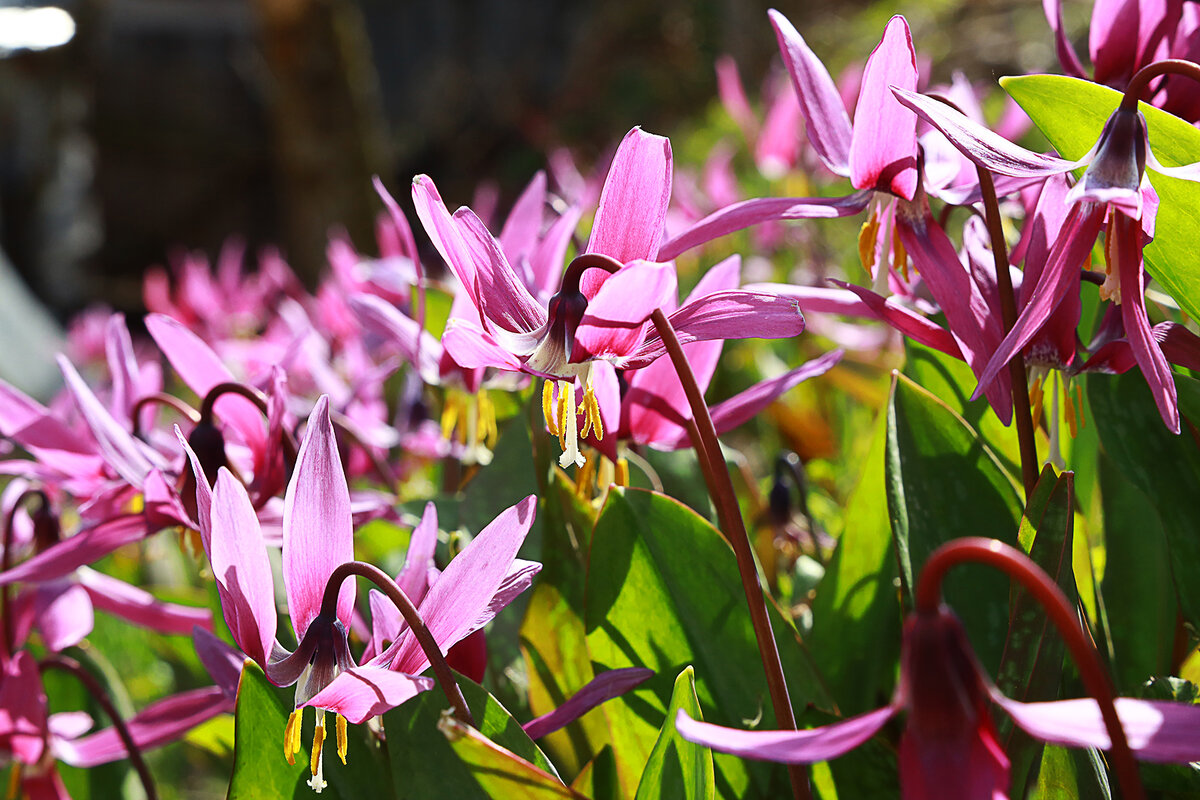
[500,772]
[1166,467]
[856,609]
[598,778]
[1072,112]
[663,592]
[1056,779]
[944,483]
[1139,597]
[1031,668]
[678,768]
[259,768]
[553,638]
[424,764]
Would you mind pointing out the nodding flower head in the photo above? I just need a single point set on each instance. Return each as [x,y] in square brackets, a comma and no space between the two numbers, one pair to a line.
[1116,164]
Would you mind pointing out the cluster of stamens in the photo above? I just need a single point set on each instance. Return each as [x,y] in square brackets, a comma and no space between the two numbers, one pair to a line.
[291,744]
[560,414]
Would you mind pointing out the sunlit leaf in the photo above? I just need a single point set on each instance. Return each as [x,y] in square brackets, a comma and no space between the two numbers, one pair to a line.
[678,768]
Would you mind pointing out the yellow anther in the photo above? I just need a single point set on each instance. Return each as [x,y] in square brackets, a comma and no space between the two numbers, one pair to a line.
[449,417]
[291,737]
[866,242]
[14,781]
[566,411]
[341,737]
[1035,398]
[548,407]
[488,431]
[318,740]
[583,480]
[591,414]
[1069,410]
[622,477]
[899,254]
[1079,399]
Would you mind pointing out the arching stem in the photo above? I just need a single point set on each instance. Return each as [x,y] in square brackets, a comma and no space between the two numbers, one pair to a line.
[6,564]
[160,399]
[1141,79]
[64,664]
[441,670]
[1061,612]
[708,449]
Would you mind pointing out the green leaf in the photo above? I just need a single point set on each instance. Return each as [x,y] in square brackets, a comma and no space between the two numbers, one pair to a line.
[1166,467]
[259,768]
[856,609]
[664,592]
[1031,668]
[598,778]
[425,765]
[1072,113]
[553,637]
[500,772]
[678,768]
[943,483]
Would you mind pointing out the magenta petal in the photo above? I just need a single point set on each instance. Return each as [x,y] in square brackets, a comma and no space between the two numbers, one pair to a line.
[1156,730]
[241,569]
[156,725]
[827,124]
[981,145]
[471,347]
[735,314]
[318,530]
[22,709]
[363,692]
[223,662]
[464,591]
[201,369]
[519,235]
[139,606]
[502,296]
[883,147]
[1113,38]
[413,579]
[1061,272]
[761,209]
[966,765]
[1067,57]
[414,343]
[787,747]
[82,548]
[545,265]
[130,458]
[905,320]
[602,688]
[203,494]
[614,323]
[519,578]
[64,614]
[633,204]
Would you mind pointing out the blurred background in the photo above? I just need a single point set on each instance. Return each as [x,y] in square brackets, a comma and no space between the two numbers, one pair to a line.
[132,131]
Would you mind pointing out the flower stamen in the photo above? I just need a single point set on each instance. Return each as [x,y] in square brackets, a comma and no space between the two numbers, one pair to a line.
[341,737]
[291,736]
[316,764]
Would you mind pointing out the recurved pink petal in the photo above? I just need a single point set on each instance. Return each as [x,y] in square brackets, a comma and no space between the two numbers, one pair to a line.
[883,146]
[1074,243]
[63,613]
[416,344]
[413,579]
[223,662]
[155,725]
[1067,57]
[462,594]
[761,209]
[614,323]
[981,145]
[519,235]
[825,116]
[202,369]
[363,692]
[737,314]
[446,236]
[22,709]
[241,569]
[547,262]
[1156,730]
[139,606]
[633,204]
[1113,39]
[787,747]
[604,687]
[502,297]
[905,320]
[318,530]
[82,548]
[519,578]
[471,347]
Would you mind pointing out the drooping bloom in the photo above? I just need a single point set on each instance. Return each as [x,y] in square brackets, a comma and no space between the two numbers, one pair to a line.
[1114,195]
[606,296]
[317,537]
[949,746]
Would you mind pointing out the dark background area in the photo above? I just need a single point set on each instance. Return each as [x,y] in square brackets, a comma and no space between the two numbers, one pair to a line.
[170,124]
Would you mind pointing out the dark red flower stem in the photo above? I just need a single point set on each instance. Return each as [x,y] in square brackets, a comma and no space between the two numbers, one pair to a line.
[254,396]
[68,665]
[1023,415]
[1021,568]
[1141,79]
[586,261]
[708,449]
[433,652]
[160,399]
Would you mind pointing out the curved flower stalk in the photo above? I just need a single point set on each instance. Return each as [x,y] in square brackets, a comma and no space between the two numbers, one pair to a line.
[606,296]
[317,539]
[1114,195]
[949,746]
